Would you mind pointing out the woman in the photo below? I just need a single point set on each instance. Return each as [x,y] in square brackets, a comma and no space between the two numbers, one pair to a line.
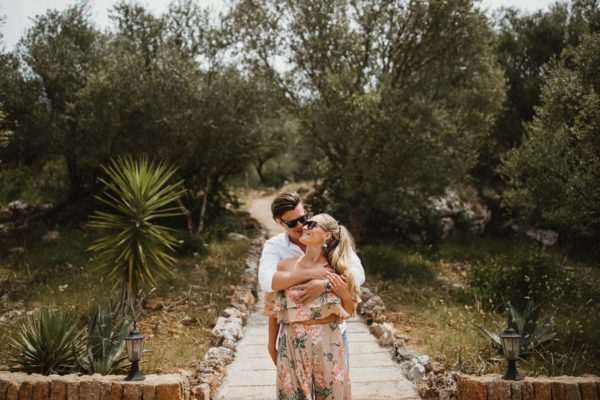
[310,352]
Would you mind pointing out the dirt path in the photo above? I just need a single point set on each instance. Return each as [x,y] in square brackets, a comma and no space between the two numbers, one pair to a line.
[251,376]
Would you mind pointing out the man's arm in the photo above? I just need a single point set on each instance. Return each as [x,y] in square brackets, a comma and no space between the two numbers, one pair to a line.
[270,279]
[356,268]
[267,266]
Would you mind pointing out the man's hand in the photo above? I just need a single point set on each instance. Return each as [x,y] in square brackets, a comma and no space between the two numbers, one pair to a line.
[310,290]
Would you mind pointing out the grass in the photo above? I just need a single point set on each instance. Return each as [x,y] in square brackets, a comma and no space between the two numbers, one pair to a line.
[62,274]
[429,299]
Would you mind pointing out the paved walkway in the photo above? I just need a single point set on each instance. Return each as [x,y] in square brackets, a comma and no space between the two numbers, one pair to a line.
[251,376]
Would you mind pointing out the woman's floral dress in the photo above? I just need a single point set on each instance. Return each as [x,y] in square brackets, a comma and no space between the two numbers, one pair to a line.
[310,361]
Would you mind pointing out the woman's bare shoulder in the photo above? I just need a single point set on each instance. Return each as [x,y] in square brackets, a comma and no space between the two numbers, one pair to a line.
[287,264]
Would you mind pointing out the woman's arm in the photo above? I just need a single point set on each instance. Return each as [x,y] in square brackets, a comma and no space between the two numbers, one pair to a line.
[339,286]
[273,330]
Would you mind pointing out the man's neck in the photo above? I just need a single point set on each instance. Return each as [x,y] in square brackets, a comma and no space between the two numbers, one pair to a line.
[297,243]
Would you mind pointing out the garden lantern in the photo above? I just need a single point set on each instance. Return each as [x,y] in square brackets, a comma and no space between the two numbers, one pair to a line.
[511,342]
[135,344]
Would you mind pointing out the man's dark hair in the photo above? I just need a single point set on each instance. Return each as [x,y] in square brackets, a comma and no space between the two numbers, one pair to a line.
[284,202]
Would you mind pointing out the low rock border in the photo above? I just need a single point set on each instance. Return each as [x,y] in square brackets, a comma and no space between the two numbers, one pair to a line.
[228,328]
[493,387]
[431,378]
[22,386]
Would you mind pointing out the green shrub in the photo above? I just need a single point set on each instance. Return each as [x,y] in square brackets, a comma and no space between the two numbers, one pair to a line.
[48,342]
[393,263]
[105,343]
[533,334]
[515,280]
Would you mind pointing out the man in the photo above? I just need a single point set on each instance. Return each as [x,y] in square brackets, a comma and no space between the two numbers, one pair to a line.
[288,211]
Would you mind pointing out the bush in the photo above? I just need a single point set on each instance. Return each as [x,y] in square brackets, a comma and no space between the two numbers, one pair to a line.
[516,280]
[49,342]
[105,343]
[392,263]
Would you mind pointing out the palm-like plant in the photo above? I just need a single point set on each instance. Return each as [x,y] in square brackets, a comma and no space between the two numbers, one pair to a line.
[48,342]
[105,343]
[135,249]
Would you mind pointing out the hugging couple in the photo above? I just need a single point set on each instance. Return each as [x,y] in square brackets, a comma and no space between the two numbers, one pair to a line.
[310,274]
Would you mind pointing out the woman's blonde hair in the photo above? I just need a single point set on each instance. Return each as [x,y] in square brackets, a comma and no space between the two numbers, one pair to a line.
[338,250]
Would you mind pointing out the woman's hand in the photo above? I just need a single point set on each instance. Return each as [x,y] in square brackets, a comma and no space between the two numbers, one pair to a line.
[273,353]
[339,286]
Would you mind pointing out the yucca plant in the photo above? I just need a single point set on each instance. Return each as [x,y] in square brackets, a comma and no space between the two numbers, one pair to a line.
[48,342]
[134,248]
[532,334]
[105,343]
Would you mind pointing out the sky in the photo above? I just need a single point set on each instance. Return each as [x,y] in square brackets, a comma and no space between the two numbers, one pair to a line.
[18,13]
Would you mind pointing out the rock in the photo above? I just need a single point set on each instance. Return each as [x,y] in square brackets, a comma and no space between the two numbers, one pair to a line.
[51,235]
[58,388]
[542,389]
[416,373]
[201,392]
[372,310]
[447,225]
[41,389]
[5,215]
[498,390]
[545,237]
[187,320]
[424,360]
[236,236]
[384,332]
[18,206]
[365,294]
[227,330]
[133,391]
[89,390]
[233,312]
[17,250]
[403,353]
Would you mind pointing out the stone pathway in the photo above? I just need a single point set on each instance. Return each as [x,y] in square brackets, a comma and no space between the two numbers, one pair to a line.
[251,376]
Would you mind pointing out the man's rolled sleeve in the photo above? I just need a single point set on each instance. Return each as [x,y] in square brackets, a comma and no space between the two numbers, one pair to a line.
[356,268]
[268,266]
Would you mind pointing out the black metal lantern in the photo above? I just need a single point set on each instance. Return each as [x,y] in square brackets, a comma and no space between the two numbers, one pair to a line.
[135,344]
[511,342]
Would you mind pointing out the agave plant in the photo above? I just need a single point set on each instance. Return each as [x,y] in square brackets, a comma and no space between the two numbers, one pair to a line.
[105,343]
[526,325]
[135,249]
[48,342]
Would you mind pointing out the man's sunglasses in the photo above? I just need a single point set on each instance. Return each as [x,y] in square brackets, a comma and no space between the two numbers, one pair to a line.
[294,222]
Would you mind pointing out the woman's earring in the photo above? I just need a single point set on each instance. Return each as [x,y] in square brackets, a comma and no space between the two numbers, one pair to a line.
[325,249]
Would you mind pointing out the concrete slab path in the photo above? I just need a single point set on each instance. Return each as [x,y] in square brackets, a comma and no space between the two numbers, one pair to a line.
[251,376]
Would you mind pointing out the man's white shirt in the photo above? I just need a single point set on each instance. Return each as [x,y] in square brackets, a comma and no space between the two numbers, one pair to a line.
[280,247]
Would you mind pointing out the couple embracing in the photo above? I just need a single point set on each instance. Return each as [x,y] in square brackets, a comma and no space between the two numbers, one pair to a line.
[310,274]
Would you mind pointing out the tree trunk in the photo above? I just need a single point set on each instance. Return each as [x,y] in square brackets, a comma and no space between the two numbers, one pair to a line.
[188,216]
[204,204]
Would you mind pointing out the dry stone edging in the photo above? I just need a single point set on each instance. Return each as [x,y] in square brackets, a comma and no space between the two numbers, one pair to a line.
[431,377]
[228,328]
[22,386]
[493,387]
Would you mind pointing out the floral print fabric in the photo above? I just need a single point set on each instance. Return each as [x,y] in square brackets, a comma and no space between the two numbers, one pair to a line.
[283,304]
[311,364]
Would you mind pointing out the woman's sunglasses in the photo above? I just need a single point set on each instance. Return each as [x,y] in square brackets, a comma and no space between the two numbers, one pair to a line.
[312,224]
[294,222]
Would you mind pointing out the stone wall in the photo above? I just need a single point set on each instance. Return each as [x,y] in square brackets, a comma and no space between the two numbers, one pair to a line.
[493,387]
[21,386]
